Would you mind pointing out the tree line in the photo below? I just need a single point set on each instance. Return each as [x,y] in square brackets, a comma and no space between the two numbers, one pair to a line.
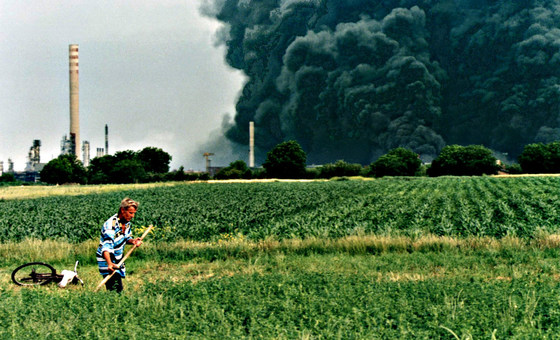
[289,160]
[147,165]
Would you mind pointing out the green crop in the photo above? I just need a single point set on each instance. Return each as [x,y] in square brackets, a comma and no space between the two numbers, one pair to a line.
[466,206]
[324,260]
[425,295]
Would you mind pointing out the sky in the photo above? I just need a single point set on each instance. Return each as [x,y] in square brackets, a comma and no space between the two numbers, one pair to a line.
[151,70]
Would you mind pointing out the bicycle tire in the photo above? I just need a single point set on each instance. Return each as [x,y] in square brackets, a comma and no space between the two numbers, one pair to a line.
[41,274]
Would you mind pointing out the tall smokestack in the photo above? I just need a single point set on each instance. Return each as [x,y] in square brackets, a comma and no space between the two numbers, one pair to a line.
[74,101]
[106,139]
[251,144]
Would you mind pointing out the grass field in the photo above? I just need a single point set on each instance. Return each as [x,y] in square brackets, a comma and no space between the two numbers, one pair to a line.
[409,283]
[423,288]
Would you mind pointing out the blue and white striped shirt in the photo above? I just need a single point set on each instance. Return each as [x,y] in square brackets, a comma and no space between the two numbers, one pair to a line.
[113,238]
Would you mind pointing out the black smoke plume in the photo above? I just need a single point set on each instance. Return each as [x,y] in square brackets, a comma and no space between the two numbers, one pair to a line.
[351,79]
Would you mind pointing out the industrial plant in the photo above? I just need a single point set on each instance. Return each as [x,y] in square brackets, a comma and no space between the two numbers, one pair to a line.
[70,144]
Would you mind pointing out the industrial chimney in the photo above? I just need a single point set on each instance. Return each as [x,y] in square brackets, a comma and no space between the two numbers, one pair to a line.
[251,144]
[74,101]
[106,139]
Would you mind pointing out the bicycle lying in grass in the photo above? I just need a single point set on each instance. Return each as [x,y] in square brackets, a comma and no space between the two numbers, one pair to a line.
[39,273]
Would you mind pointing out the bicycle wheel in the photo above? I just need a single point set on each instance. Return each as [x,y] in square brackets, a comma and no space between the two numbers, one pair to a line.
[33,274]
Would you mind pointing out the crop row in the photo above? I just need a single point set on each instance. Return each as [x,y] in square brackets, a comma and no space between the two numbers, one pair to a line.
[481,206]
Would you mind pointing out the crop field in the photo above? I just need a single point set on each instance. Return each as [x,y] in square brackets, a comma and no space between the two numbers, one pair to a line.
[449,258]
[459,207]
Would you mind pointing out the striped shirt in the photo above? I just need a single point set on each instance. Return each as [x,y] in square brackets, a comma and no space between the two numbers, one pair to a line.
[113,238]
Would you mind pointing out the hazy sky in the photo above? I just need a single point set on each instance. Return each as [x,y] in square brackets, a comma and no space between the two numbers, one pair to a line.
[149,69]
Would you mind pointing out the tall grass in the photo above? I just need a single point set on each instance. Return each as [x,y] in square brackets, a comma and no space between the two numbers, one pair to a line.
[237,247]
[36,191]
[506,290]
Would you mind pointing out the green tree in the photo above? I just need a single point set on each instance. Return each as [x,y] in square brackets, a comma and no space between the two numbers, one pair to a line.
[123,167]
[397,162]
[128,171]
[180,175]
[235,170]
[457,160]
[154,160]
[7,177]
[149,164]
[64,169]
[533,158]
[513,169]
[553,164]
[340,169]
[100,169]
[286,160]
[126,154]
[540,158]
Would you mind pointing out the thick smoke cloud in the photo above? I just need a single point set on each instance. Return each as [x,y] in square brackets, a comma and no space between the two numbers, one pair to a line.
[351,79]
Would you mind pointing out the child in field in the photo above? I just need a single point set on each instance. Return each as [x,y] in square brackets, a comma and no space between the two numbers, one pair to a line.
[115,233]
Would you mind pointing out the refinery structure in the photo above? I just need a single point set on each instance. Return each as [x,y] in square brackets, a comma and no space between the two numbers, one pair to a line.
[70,143]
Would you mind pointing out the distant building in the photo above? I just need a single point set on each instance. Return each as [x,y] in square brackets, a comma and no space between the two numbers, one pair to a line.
[34,156]
[28,176]
[100,152]
[213,170]
[66,146]
[33,166]
[85,153]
